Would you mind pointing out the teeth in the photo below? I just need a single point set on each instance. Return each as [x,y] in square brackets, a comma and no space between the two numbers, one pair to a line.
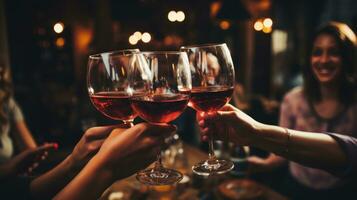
[324,71]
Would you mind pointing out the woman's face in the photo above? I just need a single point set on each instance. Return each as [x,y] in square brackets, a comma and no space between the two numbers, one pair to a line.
[326,61]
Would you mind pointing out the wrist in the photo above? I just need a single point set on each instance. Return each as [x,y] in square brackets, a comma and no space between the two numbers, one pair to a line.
[104,170]
[71,164]
[258,133]
[272,138]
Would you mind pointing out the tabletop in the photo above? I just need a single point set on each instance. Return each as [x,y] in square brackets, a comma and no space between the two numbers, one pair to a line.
[192,186]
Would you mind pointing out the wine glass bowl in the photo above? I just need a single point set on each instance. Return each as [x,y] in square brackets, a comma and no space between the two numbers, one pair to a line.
[159,108]
[108,86]
[211,98]
[161,85]
[213,79]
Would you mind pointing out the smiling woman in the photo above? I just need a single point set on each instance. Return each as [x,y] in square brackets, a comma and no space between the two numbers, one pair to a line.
[325,103]
[332,63]
[326,60]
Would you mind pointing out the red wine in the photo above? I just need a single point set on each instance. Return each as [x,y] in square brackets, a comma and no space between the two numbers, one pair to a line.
[206,99]
[160,108]
[115,105]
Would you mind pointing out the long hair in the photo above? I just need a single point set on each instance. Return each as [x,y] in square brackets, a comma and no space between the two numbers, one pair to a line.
[346,41]
[6,91]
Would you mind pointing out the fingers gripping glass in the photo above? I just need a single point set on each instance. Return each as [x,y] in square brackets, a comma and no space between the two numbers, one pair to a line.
[160,83]
[212,73]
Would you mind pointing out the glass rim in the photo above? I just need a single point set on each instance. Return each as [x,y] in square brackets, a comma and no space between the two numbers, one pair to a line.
[195,46]
[159,52]
[122,52]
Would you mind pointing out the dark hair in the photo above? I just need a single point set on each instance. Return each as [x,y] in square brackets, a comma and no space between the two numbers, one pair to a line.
[346,40]
[6,91]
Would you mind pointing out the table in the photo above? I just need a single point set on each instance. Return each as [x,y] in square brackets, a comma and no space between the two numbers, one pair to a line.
[192,187]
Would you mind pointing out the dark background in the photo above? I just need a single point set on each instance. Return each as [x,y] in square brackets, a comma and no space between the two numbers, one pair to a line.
[50,81]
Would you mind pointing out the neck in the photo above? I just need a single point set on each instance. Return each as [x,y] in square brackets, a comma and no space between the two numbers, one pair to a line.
[329,91]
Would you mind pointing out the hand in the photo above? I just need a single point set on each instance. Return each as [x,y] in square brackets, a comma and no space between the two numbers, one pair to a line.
[27,161]
[126,152]
[122,154]
[228,122]
[90,143]
[257,164]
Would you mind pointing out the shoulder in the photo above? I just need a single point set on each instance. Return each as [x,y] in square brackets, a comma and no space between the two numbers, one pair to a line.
[15,111]
[294,95]
[12,103]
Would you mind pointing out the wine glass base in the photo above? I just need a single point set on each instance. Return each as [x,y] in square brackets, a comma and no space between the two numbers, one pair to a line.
[163,176]
[211,167]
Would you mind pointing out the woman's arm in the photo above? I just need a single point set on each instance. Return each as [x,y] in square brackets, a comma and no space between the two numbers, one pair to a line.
[21,133]
[23,136]
[311,149]
[50,183]
[121,155]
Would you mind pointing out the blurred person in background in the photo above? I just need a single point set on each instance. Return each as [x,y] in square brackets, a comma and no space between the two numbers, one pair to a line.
[102,156]
[325,103]
[15,137]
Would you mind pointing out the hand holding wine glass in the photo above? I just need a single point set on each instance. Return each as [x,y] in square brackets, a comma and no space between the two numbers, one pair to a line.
[213,81]
[107,80]
[161,85]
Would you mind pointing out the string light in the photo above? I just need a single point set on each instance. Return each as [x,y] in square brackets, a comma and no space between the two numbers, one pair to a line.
[146,37]
[180,16]
[264,25]
[133,40]
[258,26]
[58,27]
[267,22]
[176,16]
[224,25]
[172,16]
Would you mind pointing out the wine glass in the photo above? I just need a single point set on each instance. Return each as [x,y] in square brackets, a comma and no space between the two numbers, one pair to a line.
[213,81]
[108,81]
[161,85]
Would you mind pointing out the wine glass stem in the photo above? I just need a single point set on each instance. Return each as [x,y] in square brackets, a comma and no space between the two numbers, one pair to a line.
[211,155]
[158,163]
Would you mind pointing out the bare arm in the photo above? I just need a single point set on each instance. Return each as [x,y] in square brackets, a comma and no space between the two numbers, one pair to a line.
[121,155]
[311,149]
[50,183]
[23,136]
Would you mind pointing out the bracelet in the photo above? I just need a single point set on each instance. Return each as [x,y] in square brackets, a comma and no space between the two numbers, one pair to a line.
[287,144]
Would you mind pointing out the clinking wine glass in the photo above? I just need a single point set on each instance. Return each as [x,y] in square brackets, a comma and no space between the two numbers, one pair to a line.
[161,85]
[212,73]
[108,84]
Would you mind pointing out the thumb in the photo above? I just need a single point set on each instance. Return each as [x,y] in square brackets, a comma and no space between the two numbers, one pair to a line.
[228,107]
[226,116]
[161,128]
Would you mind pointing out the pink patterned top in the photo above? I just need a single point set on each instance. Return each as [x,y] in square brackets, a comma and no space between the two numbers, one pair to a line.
[296,113]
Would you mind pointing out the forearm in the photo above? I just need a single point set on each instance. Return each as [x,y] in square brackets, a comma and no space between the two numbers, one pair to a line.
[24,136]
[311,149]
[50,183]
[89,183]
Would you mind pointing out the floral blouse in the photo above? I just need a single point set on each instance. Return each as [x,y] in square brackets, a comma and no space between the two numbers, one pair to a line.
[296,113]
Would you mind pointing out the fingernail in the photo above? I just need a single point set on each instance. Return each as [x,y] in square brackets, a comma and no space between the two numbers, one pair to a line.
[201,123]
[55,146]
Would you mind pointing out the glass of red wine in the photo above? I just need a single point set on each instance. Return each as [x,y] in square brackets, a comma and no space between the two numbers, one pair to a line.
[161,86]
[108,84]
[212,73]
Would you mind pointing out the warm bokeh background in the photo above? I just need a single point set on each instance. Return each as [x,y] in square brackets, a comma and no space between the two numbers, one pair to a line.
[49,68]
